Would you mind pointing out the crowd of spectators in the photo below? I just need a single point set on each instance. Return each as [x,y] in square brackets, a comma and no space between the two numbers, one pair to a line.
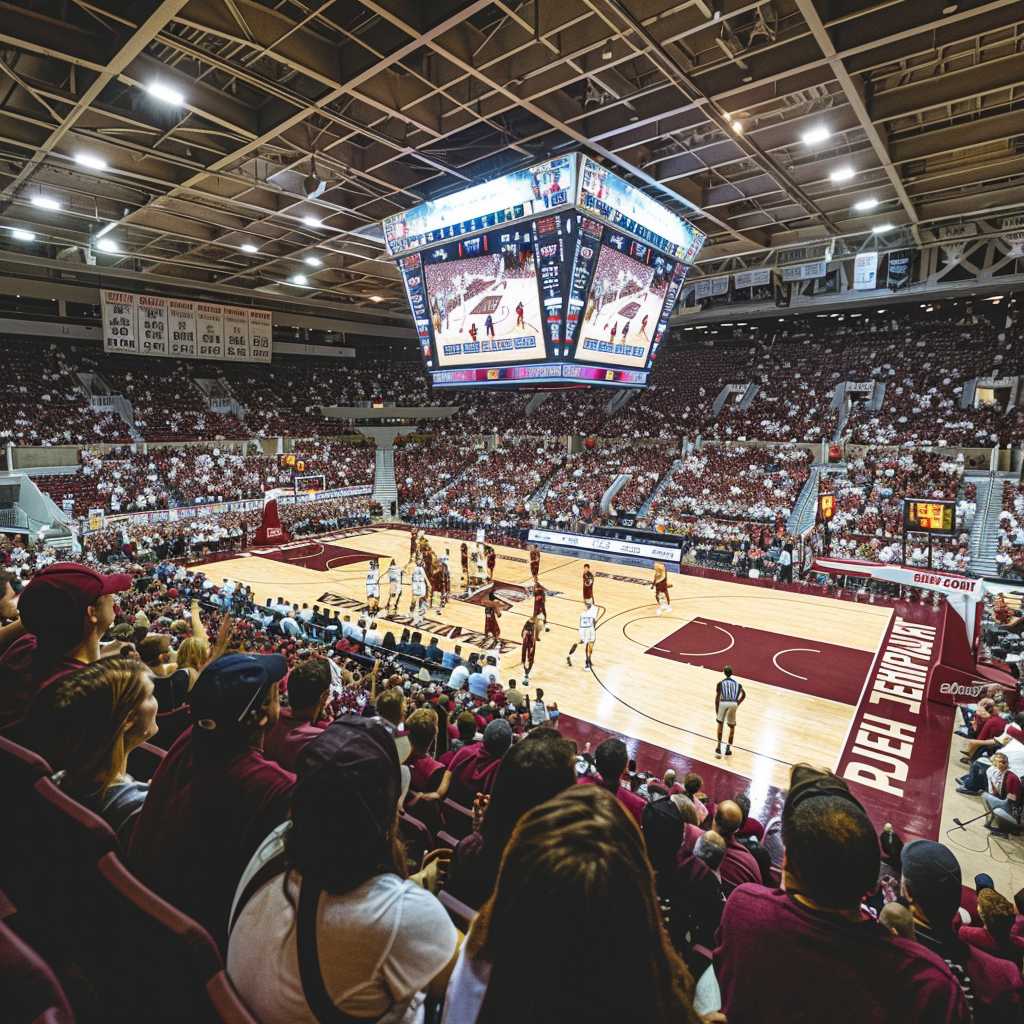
[575,490]
[1010,545]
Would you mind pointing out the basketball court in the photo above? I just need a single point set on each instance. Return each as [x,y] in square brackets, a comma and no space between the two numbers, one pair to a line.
[805,660]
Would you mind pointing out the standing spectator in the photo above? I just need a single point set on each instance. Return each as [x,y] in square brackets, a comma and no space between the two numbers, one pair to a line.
[331,884]
[811,943]
[931,885]
[86,725]
[581,851]
[65,610]
[309,689]
[535,769]
[215,796]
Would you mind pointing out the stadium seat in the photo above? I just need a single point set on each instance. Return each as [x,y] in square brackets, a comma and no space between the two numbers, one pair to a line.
[144,760]
[417,839]
[20,766]
[170,725]
[458,820]
[446,839]
[32,993]
[461,915]
[226,1002]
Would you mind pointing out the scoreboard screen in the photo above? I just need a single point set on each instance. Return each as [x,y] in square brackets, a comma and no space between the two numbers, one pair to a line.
[560,273]
[928,515]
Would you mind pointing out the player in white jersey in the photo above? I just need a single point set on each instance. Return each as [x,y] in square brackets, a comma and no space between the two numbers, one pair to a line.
[588,634]
[373,588]
[419,592]
[394,585]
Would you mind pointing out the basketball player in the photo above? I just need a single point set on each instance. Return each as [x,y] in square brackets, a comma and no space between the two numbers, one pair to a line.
[520,311]
[540,604]
[661,587]
[419,592]
[625,331]
[480,573]
[529,650]
[534,561]
[373,588]
[588,634]
[588,583]
[413,538]
[492,560]
[489,326]
[729,695]
[643,325]
[394,585]
[446,580]
[472,331]
[615,330]
[464,556]
[492,612]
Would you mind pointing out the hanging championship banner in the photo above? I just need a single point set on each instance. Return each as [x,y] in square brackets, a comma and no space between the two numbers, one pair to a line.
[153,325]
[805,271]
[898,269]
[865,271]
[752,278]
[707,287]
[119,322]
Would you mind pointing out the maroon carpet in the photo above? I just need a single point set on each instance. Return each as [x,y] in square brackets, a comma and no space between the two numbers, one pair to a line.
[315,555]
[805,666]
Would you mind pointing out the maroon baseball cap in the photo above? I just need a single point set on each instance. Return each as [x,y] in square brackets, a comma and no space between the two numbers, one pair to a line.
[53,605]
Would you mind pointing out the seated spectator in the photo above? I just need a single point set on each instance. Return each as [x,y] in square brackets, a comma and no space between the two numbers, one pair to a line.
[465,733]
[391,707]
[931,887]
[192,654]
[65,610]
[215,796]
[533,771]
[611,760]
[1002,797]
[434,653]
[696,892]
[996,936]
[86,725]
[429,777]
[738,865]
[474,767]
[309,688]
[665,786]
[332,881]
[898,919]
[579,852]
[811,944]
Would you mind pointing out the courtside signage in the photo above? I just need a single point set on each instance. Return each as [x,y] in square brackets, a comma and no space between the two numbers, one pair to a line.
[616,547]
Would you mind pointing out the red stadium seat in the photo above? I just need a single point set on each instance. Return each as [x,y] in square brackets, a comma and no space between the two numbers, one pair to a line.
[416,837]
[458,820]
[226,1001]
[31,991]
[446,839]
[170,725]
[460,914]
[144,760]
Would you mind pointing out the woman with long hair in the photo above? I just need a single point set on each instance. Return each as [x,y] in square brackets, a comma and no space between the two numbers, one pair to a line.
[575,890]
[331,882]
[87,724]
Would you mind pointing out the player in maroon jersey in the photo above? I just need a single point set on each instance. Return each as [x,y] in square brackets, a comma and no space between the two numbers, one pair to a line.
[588,583]
[464,559]
[492,560]
[492,612]
[661,587]
[540,603]
[529,651]
[472,331]
[643,325]
[534,561]
[520,312]
[615,330]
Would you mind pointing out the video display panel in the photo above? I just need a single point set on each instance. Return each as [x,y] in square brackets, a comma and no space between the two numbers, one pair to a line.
[483,301]
[625,302]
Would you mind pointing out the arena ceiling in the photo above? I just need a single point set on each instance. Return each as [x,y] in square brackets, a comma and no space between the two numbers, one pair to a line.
[704,104]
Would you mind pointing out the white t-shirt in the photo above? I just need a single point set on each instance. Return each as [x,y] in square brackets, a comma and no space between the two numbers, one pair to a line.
[1014,751]
[466,989]
[458,678]
[380,946]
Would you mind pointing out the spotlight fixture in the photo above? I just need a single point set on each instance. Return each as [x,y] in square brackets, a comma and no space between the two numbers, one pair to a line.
[313,261]
[299,279]
[249,247]
[165,93]
[106,244]
[312,222]
[864,205]
[736,126]
[815,136]
[841,174]
[376,298]
[90,160]
[45,202]
[22,235]
[881,229]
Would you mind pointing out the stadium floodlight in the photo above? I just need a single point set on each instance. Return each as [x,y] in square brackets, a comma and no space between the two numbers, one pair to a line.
[313,261]
[376,298]
[864,205]
[841,174]
[166,94]
[312,222]
[106,245]
[815,136]
[90,160]
[22,235]
[881,229]
[46,202]
[249,247]
[299,280]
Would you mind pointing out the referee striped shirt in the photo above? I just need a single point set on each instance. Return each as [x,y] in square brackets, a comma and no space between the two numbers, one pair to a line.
[729,689]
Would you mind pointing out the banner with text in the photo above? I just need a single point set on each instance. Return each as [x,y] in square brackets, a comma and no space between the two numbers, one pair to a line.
[865,271]
[151,325]
[752,278]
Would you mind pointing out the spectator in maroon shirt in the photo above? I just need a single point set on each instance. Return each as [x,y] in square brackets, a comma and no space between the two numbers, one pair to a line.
[739,865]
[65,610]
[309,689]
[534,770]
[215,797]
[429,778]
[474,768]
[998,917]
[462,734]
[611,760]
[809,950]
[696,893]
[930,885]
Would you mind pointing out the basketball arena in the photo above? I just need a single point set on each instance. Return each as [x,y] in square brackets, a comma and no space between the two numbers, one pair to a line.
[483,480]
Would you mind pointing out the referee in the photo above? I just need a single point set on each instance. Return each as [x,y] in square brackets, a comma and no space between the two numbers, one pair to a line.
[729,695]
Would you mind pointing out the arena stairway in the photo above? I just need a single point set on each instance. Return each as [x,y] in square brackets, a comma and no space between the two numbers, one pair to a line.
[985,528]
[645,508]
[385,490]
[805,509]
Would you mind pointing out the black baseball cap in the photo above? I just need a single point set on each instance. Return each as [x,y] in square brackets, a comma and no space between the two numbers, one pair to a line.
[233,686]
